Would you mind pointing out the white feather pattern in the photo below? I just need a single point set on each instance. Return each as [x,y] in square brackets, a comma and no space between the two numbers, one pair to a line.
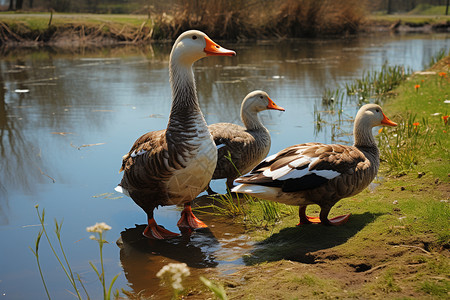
[275,174]
[121,190]
[302,160]
[290,172]
[134,154]
[270,158]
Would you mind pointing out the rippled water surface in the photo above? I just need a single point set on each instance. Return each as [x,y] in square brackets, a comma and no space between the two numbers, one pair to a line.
[66,119]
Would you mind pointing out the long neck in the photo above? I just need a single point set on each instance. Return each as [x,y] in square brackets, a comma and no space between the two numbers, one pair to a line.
[250,118]
[364,139]
[185,108]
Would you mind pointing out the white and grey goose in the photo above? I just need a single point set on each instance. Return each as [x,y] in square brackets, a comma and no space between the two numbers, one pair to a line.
[322,174]
[246,145]
[172,166]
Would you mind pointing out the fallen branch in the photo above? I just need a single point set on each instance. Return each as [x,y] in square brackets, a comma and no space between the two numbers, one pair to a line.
[376,268]
[47,175]
[414,247]
[86,145]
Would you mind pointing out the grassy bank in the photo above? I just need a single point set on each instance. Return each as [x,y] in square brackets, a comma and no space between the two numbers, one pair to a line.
[396,243]
[220,19]
[225,20]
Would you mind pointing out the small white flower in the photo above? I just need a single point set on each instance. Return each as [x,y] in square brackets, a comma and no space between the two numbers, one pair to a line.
[92,237]
[99,227]
[174,273]
[395,202]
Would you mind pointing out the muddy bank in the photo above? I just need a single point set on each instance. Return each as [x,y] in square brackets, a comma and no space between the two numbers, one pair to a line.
[70,35]
[407,27]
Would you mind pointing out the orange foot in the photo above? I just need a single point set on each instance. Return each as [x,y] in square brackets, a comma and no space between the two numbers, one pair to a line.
[340,220]
[304,219]
[189,220]
[153,231]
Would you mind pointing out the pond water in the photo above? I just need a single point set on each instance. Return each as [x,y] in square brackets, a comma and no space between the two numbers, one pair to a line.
[67,117]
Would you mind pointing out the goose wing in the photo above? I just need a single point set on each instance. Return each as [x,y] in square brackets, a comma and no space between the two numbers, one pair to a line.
[306,166]
[148,157]
[230,138]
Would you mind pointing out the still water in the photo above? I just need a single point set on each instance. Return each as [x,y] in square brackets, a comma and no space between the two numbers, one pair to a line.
[66,119]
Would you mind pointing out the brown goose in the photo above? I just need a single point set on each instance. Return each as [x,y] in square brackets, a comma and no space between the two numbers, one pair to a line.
[315,173]
[172,166]
[247,145]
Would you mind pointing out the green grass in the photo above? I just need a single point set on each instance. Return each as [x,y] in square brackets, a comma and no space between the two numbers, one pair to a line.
[440,288]
[424,105]
[39,21]
[401,146]
[427,10]
[406,18]
[251,211]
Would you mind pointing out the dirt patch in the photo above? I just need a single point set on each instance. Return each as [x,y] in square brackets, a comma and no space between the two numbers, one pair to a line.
[387,269]
[74,34]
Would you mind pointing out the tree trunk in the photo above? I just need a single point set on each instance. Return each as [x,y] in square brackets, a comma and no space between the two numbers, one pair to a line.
[19,4]
[389,7]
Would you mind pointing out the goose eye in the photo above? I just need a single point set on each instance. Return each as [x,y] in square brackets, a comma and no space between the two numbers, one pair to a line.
[194,37]
[261,97]
[377,110]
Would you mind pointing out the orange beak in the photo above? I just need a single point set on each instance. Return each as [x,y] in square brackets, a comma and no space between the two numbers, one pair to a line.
[214,49]
[272,105]
[387,122]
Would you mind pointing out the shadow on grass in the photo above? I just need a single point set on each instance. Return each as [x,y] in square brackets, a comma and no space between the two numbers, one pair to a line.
[297,243]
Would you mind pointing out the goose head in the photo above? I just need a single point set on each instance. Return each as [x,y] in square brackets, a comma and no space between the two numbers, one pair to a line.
[193,45]
[371,115]
[257,101]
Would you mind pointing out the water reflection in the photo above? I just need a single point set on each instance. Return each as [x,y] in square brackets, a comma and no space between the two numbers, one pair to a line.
[221,247]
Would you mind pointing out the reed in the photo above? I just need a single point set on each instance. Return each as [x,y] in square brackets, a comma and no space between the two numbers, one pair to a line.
[236,19]
[376,84]
[437,57]
[296,18]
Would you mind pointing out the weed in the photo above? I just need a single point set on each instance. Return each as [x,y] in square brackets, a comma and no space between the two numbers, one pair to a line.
[400,146]
[437,57]
[252,210]
[98,229]
[440,288]
[387,283]
[376,84]
[217,289]
[66,267]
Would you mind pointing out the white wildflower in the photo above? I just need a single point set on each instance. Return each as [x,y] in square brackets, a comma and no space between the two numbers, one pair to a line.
[99,227]
[92,237]
[174,273]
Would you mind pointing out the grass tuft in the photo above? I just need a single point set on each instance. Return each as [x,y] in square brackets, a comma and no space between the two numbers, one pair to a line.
[400,146]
